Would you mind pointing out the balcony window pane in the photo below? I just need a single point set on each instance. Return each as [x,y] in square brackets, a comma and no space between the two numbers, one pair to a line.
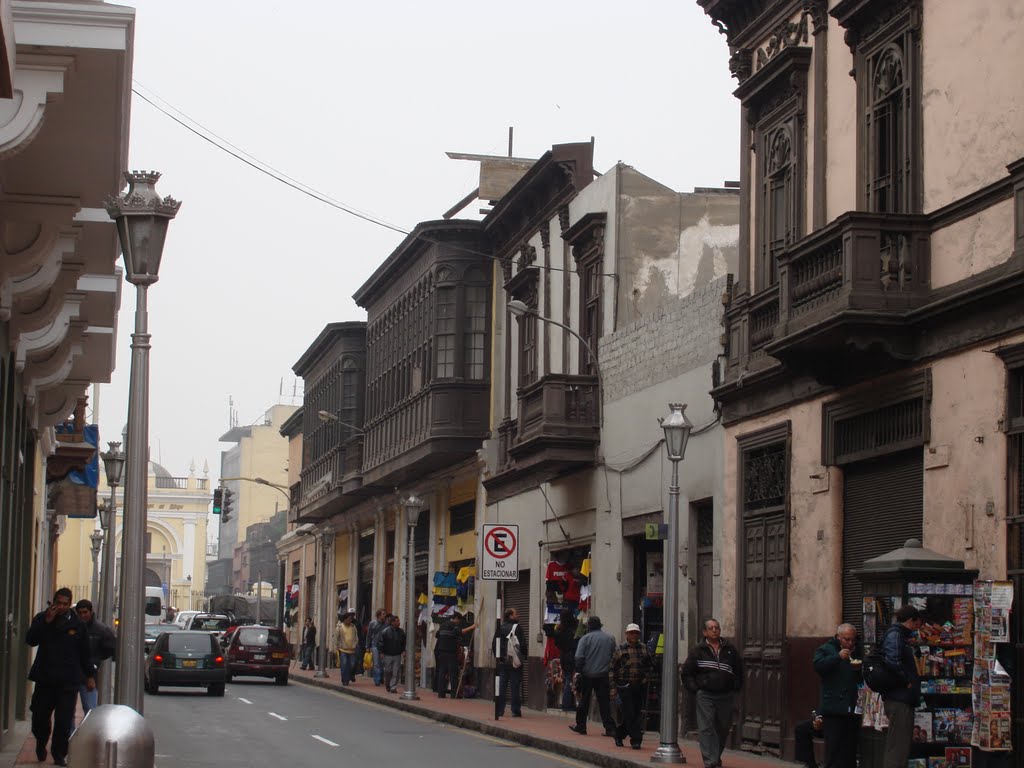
[475,334]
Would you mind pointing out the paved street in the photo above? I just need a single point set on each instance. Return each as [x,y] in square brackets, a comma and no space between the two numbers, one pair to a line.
[258,723]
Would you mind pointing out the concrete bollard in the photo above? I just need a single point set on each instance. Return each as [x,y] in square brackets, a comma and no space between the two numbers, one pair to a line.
[112,736]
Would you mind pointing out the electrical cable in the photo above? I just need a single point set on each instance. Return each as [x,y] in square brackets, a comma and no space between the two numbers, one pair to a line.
[255,163]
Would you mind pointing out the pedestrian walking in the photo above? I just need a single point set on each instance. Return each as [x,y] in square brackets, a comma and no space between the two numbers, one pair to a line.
[308,644]
[564,634]
[510,676]
[837,662]
[630,673]
[347,636]
[377,626]
[593,660]
[446,656]
[61,665]
[392,645]
[102,646]
[899,703]
[714,671]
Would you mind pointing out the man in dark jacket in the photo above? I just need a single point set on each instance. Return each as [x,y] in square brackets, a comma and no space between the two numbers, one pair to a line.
[102,646]
[61,665]
[714,671]
[446,656]
[373,632]
[593,660]
[308,644]
[564,635]
[837,663]
[898,657]
[391,643]
[510,677]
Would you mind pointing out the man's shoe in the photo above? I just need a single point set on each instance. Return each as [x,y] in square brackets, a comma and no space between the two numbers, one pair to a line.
[40,752]
[517,714]
[635,746]
[60,761]
[577,729]
[618,743]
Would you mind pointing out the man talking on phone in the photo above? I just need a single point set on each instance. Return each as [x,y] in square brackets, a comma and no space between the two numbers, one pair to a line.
[61,666]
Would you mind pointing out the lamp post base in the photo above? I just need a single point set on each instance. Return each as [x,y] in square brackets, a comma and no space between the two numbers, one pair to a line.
[668,753]
[409,695]
[320,674]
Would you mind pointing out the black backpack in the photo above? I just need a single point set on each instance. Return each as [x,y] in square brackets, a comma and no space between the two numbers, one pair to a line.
[878,677]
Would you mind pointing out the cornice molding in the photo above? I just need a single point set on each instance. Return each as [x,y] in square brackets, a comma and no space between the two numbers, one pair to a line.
[38,82]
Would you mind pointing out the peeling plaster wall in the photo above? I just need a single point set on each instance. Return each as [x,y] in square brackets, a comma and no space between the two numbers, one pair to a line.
[670,244]
[973,106]
[841,103]
[973,245]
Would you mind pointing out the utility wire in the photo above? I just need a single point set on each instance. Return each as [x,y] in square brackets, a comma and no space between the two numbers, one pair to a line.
[207,135]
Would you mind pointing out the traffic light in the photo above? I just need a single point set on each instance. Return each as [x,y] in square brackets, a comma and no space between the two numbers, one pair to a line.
[225,514]
[217,500]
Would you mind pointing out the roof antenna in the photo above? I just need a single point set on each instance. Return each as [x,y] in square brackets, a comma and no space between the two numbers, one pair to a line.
[510,130]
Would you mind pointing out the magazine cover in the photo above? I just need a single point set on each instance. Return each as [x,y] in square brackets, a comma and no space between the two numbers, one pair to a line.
[999,731]
[958,757]
[944,726]
[937,762]
[922,727]
[917,762]
[964,723]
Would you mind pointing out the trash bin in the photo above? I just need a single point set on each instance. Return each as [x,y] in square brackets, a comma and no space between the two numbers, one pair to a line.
[112,736]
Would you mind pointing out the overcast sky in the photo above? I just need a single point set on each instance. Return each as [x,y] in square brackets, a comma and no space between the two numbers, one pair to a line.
[360,101]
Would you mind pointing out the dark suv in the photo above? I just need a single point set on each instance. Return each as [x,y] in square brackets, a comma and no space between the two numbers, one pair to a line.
[185,658]
[259,651]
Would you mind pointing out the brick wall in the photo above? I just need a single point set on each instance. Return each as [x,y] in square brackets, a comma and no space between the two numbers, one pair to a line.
[681,335]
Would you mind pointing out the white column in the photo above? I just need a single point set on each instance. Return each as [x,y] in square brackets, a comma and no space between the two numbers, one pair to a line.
[188,557]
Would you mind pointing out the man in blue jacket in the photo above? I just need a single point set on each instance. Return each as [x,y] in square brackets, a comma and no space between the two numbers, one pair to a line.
[837,664]
[593,659]
[61,666]
[898,657]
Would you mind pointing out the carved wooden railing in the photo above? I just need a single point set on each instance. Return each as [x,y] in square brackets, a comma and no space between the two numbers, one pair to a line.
[558,405]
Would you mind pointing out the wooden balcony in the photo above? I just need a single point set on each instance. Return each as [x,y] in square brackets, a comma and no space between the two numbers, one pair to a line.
[441,424]
[329,484]
[841,301]
[557,431]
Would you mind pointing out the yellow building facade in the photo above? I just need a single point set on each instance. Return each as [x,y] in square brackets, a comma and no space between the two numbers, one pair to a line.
[175,538]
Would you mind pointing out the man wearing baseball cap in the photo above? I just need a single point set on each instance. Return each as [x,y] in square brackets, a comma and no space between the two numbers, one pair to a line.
[628,676]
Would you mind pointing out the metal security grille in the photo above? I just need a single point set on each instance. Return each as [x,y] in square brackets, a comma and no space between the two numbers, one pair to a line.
[883,506]
[893,427]
[517,595]
[1015,571]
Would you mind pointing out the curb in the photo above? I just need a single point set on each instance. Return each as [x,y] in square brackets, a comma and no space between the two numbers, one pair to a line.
[526,739]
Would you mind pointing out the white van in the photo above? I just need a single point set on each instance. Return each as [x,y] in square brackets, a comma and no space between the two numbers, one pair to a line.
[155,608]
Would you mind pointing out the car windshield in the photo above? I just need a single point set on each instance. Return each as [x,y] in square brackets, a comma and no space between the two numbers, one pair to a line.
[211,624]
[155,630]
[153,606]
[195,642]
[261,636]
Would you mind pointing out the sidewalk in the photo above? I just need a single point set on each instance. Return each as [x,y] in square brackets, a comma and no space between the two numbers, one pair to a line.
[545,731]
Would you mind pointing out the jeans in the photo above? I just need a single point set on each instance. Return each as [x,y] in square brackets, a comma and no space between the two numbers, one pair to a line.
[378,669]
[714,719]
[568,697]
[841,732]
[632,697]
[89,698]
[900,734]
[510,679]
[306,655]
[599,687]
[392,668]
[57,702]
[446,671]
[347,662]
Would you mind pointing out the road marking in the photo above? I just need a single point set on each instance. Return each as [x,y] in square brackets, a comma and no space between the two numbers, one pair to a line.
[325,741]
[244,700]
[274,714]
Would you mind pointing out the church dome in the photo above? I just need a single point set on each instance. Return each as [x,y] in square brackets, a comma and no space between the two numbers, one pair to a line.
[158,470]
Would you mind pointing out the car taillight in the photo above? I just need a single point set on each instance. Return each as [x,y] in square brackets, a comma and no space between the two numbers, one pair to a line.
[218,661]
[158,659]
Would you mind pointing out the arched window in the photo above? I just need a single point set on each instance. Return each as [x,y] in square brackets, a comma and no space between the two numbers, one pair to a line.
[779,199]
[888,123]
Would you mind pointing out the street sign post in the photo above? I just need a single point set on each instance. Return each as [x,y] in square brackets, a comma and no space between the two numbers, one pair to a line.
[500,559]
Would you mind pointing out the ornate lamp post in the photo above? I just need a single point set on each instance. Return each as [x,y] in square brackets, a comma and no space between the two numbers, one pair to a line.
[96,541]
[413,506]
[677,432]
[142,217]
[326,590]
[113,467]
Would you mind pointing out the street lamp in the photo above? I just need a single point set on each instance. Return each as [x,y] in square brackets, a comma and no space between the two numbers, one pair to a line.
[96,541]
[328,416]
[413,506]
[141,217]
[113,467]
[520,309]
[677,433]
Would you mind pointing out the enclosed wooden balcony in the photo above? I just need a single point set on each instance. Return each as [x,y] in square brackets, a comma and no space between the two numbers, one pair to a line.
[329,484]
[842,299]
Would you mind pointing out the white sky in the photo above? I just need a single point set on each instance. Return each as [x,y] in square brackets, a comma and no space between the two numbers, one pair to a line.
[360,101]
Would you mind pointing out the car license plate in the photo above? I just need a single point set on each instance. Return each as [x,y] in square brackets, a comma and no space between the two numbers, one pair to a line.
[259,657]
[189,663]
[278,655]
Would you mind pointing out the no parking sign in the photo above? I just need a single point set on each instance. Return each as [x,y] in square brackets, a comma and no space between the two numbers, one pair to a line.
[500,553]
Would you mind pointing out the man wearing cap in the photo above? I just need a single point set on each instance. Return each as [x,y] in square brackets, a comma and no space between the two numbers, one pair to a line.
[347,634]
[593,659]
[628,676]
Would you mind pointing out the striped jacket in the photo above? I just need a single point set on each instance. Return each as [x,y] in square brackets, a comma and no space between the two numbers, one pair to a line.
[704,670]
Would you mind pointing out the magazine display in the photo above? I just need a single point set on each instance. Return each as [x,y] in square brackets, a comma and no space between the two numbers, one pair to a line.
[990,684]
